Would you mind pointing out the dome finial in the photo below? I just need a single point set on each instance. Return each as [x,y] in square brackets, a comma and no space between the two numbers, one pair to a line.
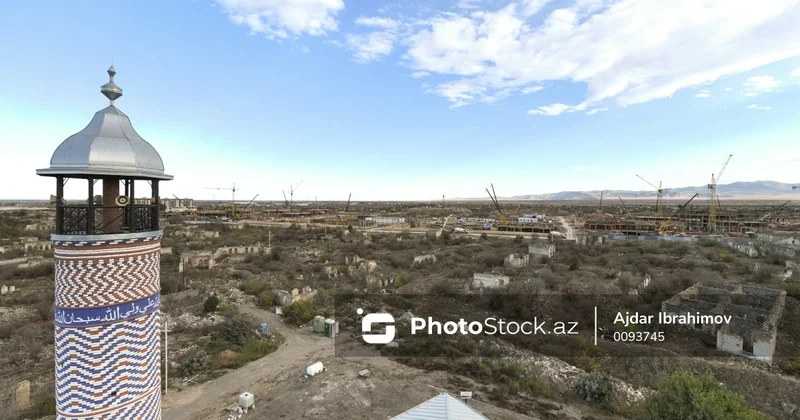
[110,89]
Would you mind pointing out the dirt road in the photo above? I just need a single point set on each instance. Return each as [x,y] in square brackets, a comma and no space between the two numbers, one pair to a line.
[568,229]
[207,400]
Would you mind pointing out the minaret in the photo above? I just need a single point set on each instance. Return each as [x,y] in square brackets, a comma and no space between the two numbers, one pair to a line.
[107,263]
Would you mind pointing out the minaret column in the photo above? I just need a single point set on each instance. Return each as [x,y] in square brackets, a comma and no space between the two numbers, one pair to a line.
[107,326]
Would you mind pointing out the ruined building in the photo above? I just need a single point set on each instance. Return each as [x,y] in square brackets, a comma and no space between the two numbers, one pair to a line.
[754,313]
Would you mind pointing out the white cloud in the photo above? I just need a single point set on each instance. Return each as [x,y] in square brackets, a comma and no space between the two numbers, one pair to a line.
[760,107]
[624,52]
[760,84]
[796,72]
[703,94]
[420,74]
[372,46]
[280,19]
[377,22]
[728,89]
[596,110]
[531,89]
[587,42]
[556,109]
[468,4]
[582,168]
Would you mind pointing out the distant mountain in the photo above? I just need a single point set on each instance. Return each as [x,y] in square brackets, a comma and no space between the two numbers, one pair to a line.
[736,190]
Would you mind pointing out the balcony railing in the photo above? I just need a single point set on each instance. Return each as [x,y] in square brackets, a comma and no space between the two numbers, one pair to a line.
[99,220]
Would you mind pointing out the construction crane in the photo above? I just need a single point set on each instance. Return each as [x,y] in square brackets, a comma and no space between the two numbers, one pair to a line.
[184,205]
[284,198]
[445,223]
[773,211]
[664,225]
[625,207]
[501,218]
[601,201]
[659,198]
[713,197]
[347,207]
[233,197]
[241,211]
[291,193]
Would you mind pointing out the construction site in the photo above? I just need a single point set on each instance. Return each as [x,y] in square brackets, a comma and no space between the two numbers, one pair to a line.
[660,213]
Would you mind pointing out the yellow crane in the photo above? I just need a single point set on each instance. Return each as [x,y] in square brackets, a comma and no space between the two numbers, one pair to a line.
[713,198]
[660,190]
[501,218]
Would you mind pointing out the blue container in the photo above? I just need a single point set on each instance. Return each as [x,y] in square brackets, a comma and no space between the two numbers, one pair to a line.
[264,328]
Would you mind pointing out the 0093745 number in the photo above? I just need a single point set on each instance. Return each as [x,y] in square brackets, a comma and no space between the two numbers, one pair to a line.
[638,336]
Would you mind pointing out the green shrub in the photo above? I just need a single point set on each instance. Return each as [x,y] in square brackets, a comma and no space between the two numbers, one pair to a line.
[594,388]
[253,286]
[574,263]
[211,304]
[686,396]
[237,330]
[298,313]
[194,363]
[401,279]
[255,349]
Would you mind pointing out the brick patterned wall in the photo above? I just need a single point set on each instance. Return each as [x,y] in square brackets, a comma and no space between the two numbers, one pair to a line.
[107,328]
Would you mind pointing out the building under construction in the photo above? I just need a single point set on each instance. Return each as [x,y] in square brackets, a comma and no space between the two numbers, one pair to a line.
[695,220]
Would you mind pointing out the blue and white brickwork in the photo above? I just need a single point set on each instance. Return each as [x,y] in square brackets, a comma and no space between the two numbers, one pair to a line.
[108,326]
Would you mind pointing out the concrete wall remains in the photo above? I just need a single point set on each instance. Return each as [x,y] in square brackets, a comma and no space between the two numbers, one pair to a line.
[517,261]
[755,313]
[542,249]
[422,259]
[489,281]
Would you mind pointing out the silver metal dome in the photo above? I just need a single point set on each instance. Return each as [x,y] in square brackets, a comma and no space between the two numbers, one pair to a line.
[107,146]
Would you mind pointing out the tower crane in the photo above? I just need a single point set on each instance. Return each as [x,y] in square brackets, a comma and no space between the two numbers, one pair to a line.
[660,190]
[502,217]
[664,225]
[233,197]
[713,198]
[291,193]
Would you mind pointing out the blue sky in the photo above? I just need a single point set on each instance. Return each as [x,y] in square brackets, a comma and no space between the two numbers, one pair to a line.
[409,100]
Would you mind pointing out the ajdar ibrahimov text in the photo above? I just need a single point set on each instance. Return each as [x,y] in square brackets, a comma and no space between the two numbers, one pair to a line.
[664,318]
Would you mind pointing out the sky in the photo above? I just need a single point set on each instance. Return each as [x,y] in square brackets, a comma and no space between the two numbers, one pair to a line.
[409,100]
